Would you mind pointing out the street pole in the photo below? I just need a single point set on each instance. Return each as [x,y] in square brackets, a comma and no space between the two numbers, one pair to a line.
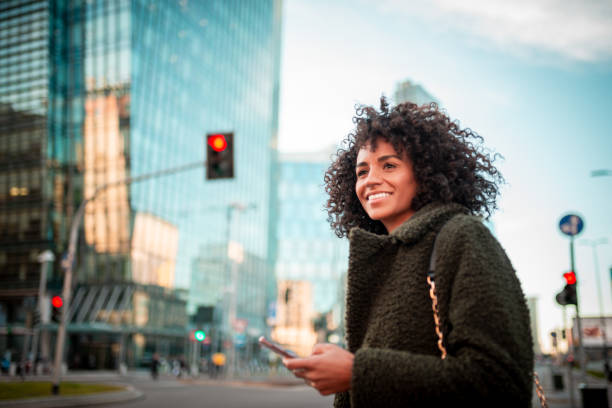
[234,258]
[69,260]
[570,348]
[46,258]
[593,244]
[578,322]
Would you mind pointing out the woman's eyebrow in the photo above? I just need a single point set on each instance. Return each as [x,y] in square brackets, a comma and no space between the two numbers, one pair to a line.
[389,156]
[380,159]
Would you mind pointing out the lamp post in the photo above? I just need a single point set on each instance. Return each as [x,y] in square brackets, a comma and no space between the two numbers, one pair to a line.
[601,173]
[69,259]
[593,244]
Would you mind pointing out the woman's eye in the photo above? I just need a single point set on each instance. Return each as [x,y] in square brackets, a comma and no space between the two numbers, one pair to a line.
[361,173]
[389,166]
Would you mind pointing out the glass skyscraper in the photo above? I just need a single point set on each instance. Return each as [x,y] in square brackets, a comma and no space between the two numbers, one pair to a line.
[307,247]
[95,91]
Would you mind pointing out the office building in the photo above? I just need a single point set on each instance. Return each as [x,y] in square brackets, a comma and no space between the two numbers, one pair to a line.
[532,305]
[407,91]
[95,91]
[294,317]
[308,249]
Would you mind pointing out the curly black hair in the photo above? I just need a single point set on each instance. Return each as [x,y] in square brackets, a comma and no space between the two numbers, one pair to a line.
[450,164]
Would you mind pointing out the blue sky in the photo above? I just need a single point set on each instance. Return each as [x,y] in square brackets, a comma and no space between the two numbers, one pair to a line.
[534,78]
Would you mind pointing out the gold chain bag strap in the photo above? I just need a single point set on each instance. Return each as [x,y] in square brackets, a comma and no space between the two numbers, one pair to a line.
[434,307]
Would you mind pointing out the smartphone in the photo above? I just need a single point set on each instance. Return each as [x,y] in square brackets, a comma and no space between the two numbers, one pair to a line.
[276,348]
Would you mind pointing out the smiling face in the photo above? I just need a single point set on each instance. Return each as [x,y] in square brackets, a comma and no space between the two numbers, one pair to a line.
[385,184]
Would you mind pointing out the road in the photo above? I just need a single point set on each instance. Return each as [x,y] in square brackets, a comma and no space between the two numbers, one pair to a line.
[167,392]
[278,392]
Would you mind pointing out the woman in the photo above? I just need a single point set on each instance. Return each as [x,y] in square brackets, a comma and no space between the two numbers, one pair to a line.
[409,177]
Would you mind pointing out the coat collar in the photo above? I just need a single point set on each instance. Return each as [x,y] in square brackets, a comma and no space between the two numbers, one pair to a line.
[428,218]
[366,267]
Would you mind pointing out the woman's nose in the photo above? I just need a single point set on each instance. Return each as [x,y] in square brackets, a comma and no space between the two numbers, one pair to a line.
[373,177]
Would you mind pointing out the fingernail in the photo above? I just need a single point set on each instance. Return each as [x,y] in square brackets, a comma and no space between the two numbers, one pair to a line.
[284,361]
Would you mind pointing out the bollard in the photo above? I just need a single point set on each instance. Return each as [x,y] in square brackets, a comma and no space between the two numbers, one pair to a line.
[594,396]
[558,382]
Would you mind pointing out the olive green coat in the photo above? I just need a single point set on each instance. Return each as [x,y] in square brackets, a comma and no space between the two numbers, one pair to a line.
[390,326]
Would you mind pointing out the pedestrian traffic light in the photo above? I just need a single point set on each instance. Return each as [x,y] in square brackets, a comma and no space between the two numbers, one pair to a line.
[199,335]
[219,156]
[568,295]
[570,277]
[57,301]
[56,311]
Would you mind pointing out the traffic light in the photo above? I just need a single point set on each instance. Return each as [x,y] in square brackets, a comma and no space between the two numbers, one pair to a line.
[56,311]
[568,295]
[219,156]
[199,335]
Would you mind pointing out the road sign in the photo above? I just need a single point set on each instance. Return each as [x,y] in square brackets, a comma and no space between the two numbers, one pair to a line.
[571,225]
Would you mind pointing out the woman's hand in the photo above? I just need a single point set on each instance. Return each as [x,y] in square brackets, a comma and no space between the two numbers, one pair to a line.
[328,369]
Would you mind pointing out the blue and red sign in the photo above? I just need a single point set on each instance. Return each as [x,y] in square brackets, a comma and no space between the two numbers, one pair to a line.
[571,225]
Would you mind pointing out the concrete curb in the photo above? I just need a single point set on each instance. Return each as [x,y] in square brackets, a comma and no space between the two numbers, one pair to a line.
[129,394]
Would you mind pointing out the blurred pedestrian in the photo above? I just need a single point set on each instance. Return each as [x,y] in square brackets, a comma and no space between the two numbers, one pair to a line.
[5,364]
[408,178]
[155,366]
[176,368]
[218,360]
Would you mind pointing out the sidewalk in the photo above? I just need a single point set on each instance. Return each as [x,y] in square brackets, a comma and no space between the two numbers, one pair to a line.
[129,394]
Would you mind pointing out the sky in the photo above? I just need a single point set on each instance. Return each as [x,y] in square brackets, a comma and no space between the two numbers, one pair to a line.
[534,78]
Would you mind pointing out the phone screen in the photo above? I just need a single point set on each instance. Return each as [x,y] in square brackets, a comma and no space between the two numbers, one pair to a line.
[276,348]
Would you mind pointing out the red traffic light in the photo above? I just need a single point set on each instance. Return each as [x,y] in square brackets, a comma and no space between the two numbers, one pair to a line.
[57,301]
[570,277]
[217,142]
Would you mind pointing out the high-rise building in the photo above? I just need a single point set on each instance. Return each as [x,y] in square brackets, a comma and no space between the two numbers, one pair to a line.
[308,250]
[532,305]
[406,91]
[294,317]
[95,91]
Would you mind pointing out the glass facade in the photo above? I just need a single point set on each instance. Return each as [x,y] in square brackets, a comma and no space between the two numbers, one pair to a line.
[24,84]
[95,91]
[307,247]
[406,91]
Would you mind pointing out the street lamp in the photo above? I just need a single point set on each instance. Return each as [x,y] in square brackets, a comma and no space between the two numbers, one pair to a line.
[68,261]
[601,173]
[593,243]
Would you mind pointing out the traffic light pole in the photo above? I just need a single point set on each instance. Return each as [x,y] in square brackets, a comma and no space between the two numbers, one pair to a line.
[578,322]
[69,260]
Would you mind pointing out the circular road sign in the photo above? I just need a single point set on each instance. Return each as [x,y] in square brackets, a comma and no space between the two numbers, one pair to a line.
[571,225]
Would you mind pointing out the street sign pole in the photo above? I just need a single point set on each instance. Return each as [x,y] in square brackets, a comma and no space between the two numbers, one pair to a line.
[581,354]
[572,225]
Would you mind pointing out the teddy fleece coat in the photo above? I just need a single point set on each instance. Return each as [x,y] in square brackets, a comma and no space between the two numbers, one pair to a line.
[390,326]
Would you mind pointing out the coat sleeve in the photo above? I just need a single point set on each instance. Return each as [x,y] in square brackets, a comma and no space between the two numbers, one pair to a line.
[487,335]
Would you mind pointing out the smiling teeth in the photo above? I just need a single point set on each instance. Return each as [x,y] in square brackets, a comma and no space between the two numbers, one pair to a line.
[379,195]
